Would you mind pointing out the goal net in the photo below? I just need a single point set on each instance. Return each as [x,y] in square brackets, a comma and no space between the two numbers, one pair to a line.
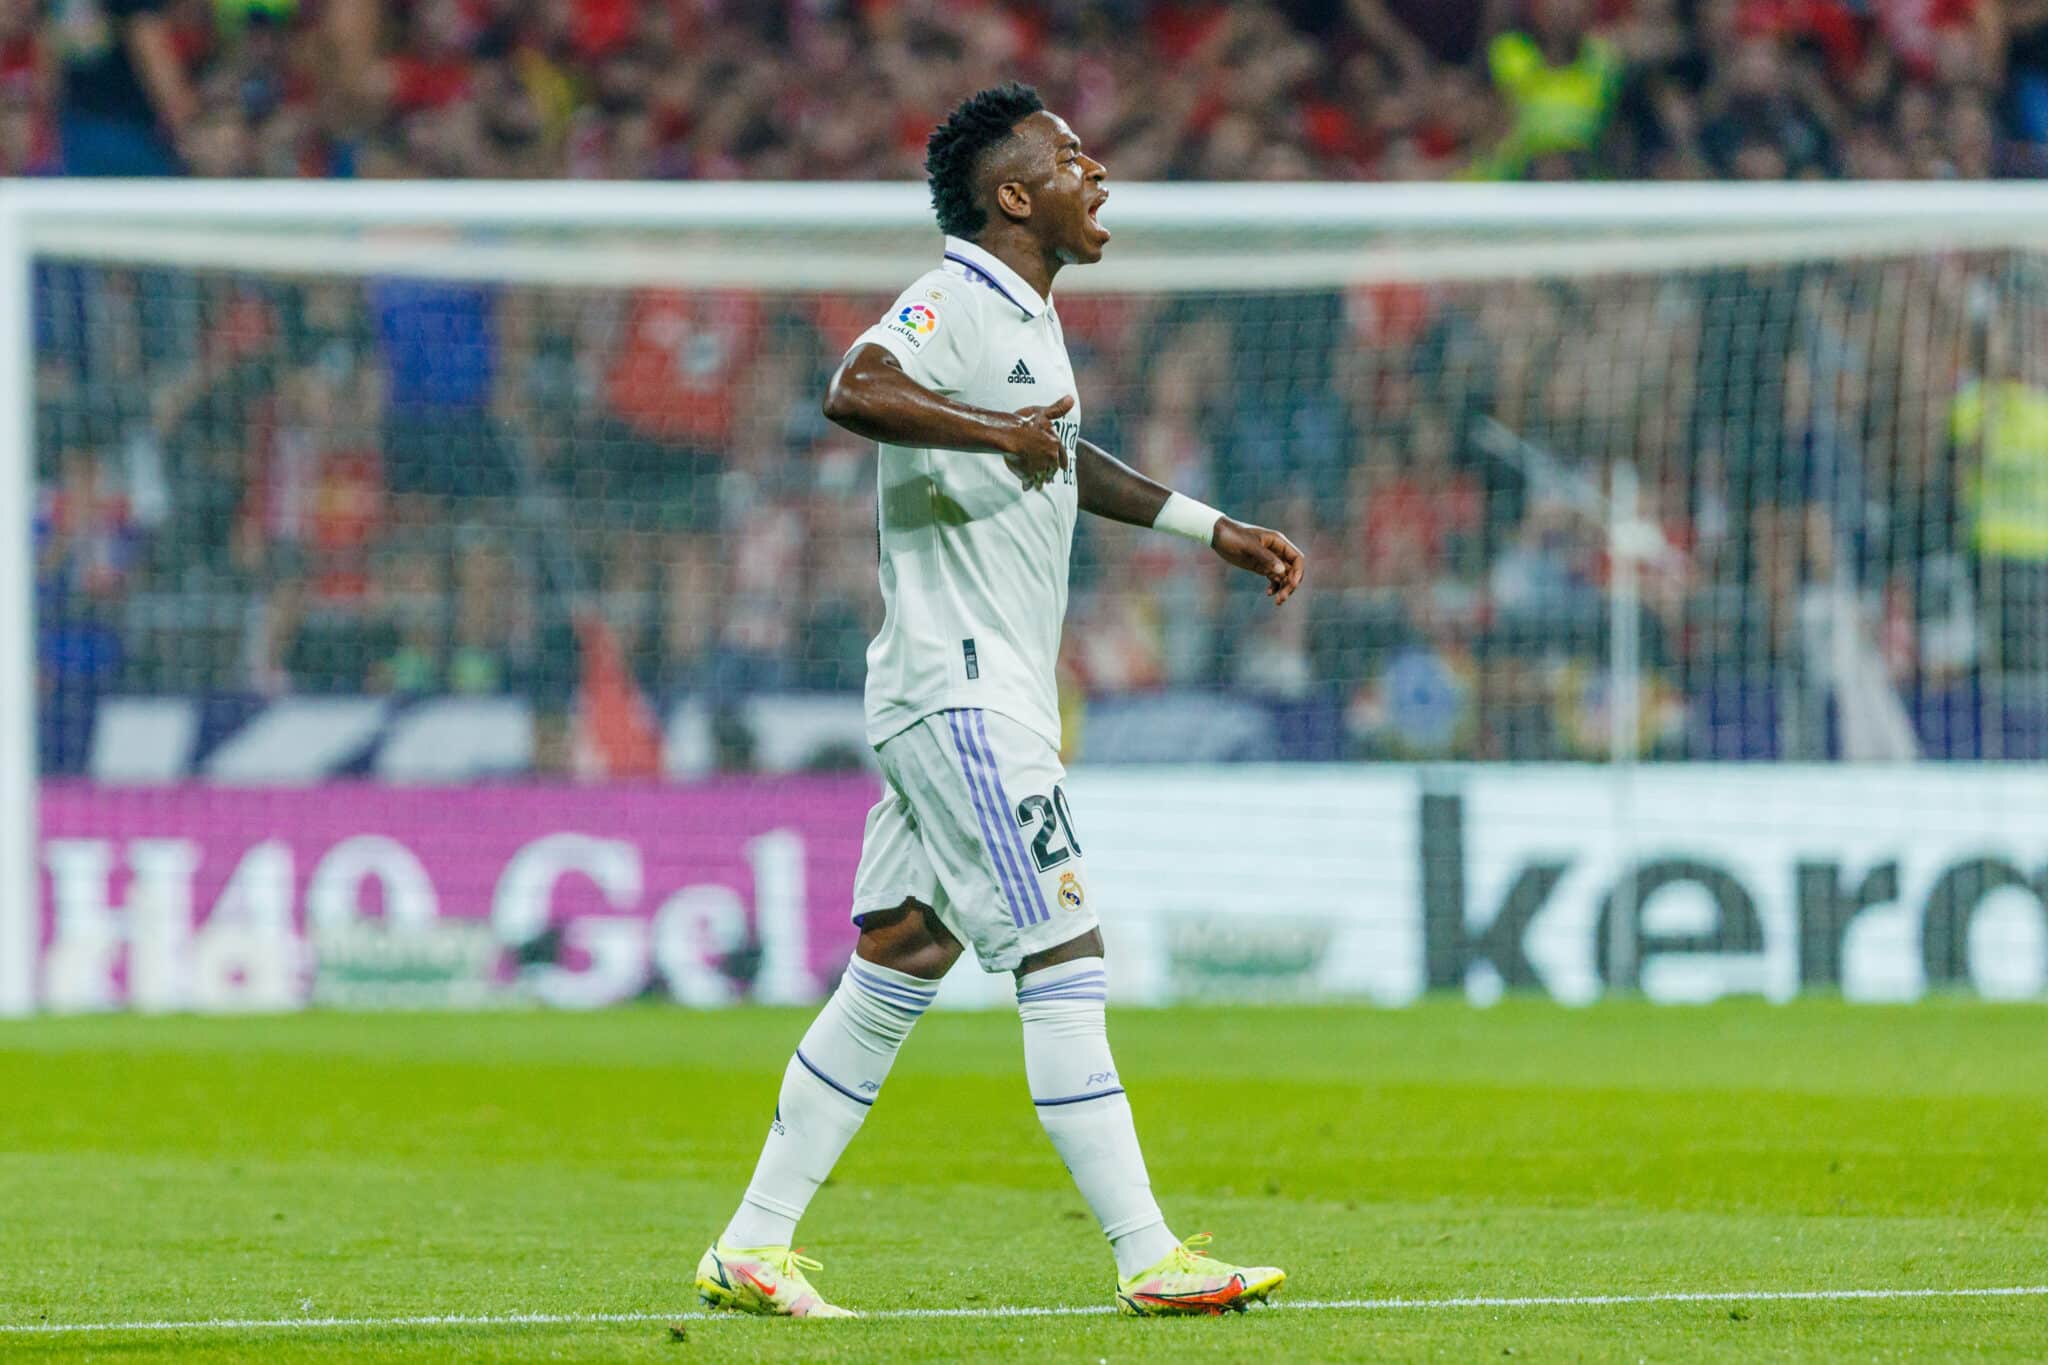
[453,594]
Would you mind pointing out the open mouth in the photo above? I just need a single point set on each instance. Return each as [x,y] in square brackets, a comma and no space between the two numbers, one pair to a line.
[1094,207]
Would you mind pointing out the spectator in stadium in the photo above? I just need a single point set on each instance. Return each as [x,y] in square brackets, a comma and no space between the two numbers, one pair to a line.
[438,344]
[1543,584]
[676,388]
[434,65]
[88,547]
[1421,519]
[765,509]
[1971,141]
[1288,420]
[218,143]
[26,74]
[1999,422]
[692,609]
[1560,78]
[311,525]
[488,616]
[87,540]
[2025,79]
[275,656]
[1115,644]
[1174,445]
[28,143]
[125,99]
[840,611]
[1766,117]
[1386,88]
[673,384]
[26,148]
[764,544]
[1419,35]
[412,600]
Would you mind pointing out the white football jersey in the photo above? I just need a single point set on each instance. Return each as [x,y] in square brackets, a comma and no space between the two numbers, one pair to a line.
[973,567]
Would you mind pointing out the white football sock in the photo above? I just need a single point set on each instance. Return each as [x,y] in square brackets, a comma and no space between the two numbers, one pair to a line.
[1081,1103]
[835,1075]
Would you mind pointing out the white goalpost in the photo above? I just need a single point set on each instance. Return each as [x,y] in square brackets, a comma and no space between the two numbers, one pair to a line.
[1709,464]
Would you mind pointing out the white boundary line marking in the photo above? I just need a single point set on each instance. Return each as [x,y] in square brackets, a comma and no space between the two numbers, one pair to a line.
[1069,1311]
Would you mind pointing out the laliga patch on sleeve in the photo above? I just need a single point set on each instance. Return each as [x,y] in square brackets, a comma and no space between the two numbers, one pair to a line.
[915,323]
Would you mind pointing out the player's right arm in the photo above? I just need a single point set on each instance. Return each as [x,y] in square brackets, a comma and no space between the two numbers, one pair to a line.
[872,395]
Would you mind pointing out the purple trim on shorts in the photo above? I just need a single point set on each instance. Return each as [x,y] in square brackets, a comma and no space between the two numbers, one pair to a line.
[1004,874]
[1010,824]
[1007,845]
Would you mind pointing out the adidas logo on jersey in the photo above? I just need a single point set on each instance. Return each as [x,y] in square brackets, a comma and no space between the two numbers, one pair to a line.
[1022,374]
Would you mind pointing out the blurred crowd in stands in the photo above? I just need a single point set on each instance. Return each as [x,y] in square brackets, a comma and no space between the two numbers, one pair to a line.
[780,89]
[288,487]
[285,486]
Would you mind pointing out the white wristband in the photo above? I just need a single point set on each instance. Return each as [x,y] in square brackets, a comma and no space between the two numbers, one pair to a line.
[1185,517]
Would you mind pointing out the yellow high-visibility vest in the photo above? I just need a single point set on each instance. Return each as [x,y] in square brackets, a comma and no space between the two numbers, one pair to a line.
[1557,108]
[2008,488]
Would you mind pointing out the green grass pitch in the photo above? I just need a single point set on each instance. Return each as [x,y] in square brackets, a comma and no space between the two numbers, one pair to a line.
[381,1167]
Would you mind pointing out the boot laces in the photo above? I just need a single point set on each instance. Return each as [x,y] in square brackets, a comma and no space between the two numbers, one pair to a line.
[1189,1255]
[792,1263]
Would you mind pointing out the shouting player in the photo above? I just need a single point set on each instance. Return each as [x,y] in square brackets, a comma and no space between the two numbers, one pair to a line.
[965,383]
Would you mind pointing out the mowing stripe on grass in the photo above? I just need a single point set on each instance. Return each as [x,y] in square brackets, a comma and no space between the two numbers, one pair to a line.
[1070,1311]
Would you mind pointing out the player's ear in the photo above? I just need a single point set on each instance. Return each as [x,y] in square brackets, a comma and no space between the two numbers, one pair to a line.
[1013,200]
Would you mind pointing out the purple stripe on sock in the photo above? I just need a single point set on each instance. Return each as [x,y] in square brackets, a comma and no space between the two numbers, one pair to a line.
[1098,983]
[889,994]
[981,814]
[896,1002]
[829,1081]
[870,974]
[1092,974]
[1076,1099]
[1009,824]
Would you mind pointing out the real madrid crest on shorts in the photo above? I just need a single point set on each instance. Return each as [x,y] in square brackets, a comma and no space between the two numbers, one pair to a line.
[1070,891]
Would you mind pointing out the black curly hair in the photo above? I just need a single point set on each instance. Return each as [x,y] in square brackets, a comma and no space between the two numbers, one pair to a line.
[953,152]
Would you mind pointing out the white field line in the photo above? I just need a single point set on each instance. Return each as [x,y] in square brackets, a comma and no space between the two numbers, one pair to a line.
[1071,1311]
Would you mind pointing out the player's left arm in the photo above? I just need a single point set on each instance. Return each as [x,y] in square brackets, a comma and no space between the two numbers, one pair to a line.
[1110,488]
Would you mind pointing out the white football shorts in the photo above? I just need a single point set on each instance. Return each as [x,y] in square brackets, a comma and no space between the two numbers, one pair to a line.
[974,823]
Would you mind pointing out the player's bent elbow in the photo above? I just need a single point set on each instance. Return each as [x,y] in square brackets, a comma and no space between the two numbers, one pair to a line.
[843,397]
[859,386]
[838,403]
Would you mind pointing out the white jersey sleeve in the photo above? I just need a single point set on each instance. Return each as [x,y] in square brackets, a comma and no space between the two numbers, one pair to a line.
[934,331]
